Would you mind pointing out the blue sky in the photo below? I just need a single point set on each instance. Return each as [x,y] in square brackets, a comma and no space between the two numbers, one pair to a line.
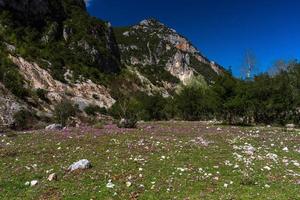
[221,29]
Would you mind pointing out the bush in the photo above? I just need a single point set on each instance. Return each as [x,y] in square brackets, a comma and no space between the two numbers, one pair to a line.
[11,78]
[93,110]
[152,107]
[23,120]
[64,110]
[127,111]
[195,103]
[42,94]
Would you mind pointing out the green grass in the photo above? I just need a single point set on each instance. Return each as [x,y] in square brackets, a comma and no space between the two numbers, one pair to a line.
[173,167]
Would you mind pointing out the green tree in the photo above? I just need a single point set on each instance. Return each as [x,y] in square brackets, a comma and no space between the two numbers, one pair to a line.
[64,110]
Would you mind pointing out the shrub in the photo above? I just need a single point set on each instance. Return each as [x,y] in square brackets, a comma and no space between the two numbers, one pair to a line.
[93,110]
[127,111]
[152,107]
[11,78]
[64,110]
[195,103]
[42,94]
[23,119]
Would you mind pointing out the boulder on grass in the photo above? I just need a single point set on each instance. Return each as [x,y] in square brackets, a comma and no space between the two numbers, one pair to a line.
[290,127]
[81,164]
[127,123]
[52,177]
[54,127]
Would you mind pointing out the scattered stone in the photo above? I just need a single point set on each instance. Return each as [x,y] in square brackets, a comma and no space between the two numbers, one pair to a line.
[267,168]
[200,141]
[128,184]
[31,183]
[285,149]
[52,177]
[290,127]
[81,164]
[219,129]
[297,164]
[236,167]
[110,184]
[54,127]
[272,156]
[249,149]
[127,123]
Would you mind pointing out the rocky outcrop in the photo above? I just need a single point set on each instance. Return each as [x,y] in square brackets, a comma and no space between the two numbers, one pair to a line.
[9,105]
[149,88]
[178,66]
[82,93]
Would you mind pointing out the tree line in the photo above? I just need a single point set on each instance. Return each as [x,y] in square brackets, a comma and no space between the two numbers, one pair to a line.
[269,98]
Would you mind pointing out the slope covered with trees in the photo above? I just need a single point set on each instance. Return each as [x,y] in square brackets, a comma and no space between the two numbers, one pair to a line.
[264,99]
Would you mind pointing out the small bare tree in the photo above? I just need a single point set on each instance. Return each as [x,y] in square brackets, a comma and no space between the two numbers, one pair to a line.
[249,64]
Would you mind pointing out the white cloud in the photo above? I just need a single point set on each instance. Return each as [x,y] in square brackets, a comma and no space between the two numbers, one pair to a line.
[87,2]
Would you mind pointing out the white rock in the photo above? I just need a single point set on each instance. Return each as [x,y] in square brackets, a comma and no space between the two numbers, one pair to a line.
[290,126]
[81,164]
[128,184]
[272,156]
[110,184]
[236,167]
[285,149]
[54,127]
[249,150]
[33,183]
[52,177]
[296,163]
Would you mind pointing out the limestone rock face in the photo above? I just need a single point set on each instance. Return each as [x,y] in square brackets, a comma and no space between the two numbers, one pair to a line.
[82,93]
[178,66]
[9,105]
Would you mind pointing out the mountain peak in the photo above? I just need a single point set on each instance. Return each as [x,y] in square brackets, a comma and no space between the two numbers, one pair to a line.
[151,22]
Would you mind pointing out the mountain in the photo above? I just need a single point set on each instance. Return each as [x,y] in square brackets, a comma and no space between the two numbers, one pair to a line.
[150,46]
[52,50]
